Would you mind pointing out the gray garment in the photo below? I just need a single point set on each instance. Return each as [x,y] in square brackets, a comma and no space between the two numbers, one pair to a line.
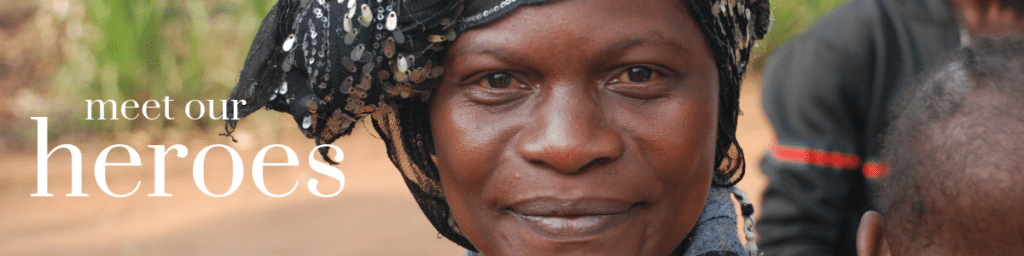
[715,231]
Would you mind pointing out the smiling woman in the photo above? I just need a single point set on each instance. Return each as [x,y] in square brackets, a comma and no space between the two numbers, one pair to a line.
[532,126]
[578,126]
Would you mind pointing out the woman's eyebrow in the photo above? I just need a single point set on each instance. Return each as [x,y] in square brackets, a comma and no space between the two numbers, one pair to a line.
[505,56]
[649,38]
[652,38]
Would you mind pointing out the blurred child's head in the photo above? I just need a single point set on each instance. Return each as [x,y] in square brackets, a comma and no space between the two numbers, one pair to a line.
[956,151]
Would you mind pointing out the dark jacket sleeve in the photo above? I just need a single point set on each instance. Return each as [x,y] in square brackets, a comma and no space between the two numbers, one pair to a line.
[814,92]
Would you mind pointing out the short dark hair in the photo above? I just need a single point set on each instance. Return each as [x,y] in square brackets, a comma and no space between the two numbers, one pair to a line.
[955,149]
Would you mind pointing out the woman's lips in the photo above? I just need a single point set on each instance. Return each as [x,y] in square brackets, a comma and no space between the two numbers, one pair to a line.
[570,219]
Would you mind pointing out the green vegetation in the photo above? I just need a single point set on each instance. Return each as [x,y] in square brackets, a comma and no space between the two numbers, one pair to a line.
[791,18]
[149,49]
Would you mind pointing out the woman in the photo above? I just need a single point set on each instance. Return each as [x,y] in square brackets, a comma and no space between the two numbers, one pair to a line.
[538,127]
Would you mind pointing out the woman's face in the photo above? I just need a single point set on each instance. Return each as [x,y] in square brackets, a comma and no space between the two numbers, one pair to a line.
[578,127]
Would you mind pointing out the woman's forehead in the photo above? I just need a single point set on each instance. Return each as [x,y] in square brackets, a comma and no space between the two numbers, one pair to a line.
[608,25]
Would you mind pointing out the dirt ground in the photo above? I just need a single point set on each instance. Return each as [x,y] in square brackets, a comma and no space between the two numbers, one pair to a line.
[374,214]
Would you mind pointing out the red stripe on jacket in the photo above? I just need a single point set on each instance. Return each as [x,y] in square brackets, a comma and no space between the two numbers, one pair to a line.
[823,158]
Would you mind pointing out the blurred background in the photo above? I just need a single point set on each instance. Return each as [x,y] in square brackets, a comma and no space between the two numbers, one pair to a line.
[55,54]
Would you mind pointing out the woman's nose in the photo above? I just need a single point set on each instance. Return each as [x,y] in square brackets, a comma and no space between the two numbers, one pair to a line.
[570,132]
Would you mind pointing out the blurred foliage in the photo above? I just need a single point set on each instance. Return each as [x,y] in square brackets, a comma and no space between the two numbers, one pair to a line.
[193,50]
[792,17]
[148,49]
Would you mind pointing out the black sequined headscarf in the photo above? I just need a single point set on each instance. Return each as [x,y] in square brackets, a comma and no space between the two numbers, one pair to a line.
[330,63]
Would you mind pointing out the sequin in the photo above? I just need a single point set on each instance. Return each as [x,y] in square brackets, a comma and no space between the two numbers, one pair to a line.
[284,88]
[350,38]
[383,75]
[364,84]
[366,16]
[289,43]
[399,37]
[369,108]
[390,90]
[405,90]
[288,62]
[311,104]
[435,38]
[346,85]
[347,25]
[389,47]
[306,122]
[436,72]
[352,105]
[351,4]
[348,64]
[418,75]
[403,64]
[367,68]
[392,21]
[367,57]
[401,76]
[361,94]
[357,52]
[450,35]
[351,11]
[336,124]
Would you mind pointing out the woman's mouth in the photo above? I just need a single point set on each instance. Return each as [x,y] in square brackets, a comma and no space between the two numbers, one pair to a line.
[571,219]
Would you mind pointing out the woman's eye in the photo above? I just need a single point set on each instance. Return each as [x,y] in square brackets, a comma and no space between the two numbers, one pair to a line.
[495,87]
[499,80]
[642,81]
[638,74]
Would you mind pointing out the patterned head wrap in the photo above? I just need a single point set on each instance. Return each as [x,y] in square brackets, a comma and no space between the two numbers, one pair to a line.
[330,63]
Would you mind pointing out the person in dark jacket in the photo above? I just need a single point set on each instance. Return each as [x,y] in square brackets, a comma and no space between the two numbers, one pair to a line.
[827,93]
